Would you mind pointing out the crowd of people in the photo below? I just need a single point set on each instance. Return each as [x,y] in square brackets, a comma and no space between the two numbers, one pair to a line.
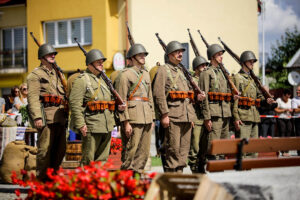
[12,104]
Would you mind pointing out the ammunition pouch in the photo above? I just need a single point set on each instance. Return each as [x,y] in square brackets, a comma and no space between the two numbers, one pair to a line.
[100,106]
[52,100]
[247,102]
[219,96]
[181,95]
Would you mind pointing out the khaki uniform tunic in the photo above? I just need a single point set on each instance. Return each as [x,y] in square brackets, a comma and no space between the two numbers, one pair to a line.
[140,115]
[213,80]
[51,141]
[181,113]
[249,116]
[99,124]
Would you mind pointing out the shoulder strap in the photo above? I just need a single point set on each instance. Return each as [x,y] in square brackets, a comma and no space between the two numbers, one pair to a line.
[173,81]
[89,85]
[248,85]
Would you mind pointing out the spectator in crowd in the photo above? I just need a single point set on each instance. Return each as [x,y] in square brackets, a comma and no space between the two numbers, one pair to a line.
[296,109]
[267,126]
[19,101]
[284,110]
[2,105]
[9,100]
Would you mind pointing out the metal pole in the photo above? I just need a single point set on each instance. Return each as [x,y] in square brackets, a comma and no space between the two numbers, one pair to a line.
[263,44]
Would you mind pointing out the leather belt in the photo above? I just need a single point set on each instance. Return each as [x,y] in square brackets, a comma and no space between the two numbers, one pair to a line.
[138,99]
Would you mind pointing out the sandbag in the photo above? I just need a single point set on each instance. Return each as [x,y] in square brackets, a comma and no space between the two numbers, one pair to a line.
[16,154]
[7,121]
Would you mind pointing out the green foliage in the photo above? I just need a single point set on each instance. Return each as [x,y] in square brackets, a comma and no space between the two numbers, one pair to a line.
[281,54]
[24,113]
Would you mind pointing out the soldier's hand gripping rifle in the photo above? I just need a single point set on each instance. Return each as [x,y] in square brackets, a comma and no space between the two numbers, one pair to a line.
[57,69]
[233,89]
[185,71]
[119,100]
[254,77]
[130,38]
[193,44]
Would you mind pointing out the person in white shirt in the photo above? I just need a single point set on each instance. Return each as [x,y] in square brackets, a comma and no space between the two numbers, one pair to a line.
[19,101]
[296,109]
[284,110]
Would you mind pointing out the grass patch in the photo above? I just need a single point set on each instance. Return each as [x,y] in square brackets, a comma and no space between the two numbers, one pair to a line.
[155,161]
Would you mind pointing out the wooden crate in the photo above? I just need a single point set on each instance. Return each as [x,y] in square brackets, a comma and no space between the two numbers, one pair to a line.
[169,186]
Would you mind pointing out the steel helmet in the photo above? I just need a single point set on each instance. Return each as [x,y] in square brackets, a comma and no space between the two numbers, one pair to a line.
[94,55]
[246,56]
[174,46]
[136,49]
[46,49]
[213,49]
[199,60]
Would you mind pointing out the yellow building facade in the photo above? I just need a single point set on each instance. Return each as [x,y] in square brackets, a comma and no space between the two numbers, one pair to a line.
[55,21]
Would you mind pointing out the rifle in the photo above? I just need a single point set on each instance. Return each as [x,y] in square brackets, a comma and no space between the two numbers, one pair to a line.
[57,69]
[185,71]
[233,89]
[253,76]
[130,38]
[108,82]
[193,44]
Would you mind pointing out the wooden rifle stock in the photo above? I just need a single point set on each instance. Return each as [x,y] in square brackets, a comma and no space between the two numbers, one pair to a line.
[233,89]
[130,38]
[184,70]
[193,44]
[108,82]
[254,77]
[55,67]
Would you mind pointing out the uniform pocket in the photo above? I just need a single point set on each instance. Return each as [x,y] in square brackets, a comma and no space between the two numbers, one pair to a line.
[132,111]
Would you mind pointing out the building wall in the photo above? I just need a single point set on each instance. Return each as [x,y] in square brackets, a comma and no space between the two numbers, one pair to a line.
[13,16]
[104,29]
[235,21]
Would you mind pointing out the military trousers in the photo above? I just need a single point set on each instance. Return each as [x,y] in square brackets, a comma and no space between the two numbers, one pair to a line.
[95,147]
[177,145]
[249,130]
[220,130]
[198,149]
[137,148]
[51,143]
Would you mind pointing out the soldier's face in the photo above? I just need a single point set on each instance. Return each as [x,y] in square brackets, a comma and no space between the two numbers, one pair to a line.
[141,58]
[202,67]
[176,56]
[98,64]
[50,58]
[219,57]
[250,64]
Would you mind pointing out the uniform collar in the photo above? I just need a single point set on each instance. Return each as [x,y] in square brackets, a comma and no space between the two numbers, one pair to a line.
[92,75]
[243,73]
[138,70]
[47,70]
[173,66]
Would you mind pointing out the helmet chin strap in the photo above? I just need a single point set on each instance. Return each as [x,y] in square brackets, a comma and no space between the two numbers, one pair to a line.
[137,60]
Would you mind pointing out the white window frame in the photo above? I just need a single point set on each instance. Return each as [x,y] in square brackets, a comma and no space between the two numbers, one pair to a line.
[13,44]
[69,34]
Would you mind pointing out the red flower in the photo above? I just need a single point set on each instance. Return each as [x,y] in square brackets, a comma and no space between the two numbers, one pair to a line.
[17,192]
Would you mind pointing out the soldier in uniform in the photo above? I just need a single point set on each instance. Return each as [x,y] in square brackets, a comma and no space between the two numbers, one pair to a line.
[212,81]
[199,138]
[246,117]
[49,117]
[177,112]
[92,114]
[137,119]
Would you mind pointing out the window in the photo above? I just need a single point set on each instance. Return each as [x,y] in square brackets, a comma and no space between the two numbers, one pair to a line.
[62,33]
[185,56]
[14,48]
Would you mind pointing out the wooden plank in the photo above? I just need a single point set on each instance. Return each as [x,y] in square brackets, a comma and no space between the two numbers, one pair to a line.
[229,146]
[221,165]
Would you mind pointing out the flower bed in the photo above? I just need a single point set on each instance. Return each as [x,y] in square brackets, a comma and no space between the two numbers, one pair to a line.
[115,145]
[91,182]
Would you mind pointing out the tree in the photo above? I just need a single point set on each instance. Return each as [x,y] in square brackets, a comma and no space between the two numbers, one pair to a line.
[281,54]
